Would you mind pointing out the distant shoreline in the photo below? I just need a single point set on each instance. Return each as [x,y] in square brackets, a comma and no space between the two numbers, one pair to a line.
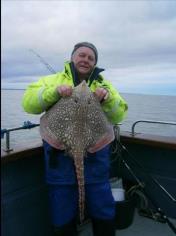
[142,94]
[12,89]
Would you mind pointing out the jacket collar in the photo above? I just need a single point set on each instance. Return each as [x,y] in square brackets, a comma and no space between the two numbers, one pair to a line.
[71,72]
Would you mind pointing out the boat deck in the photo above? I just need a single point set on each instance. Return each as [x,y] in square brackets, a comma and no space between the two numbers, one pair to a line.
[141,226]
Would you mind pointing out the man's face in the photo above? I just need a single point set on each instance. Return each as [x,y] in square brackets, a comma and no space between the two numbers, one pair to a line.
[84,60]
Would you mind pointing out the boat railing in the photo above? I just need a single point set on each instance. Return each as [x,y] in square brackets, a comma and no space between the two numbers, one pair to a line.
[30,125]
[26,125]
[149,121]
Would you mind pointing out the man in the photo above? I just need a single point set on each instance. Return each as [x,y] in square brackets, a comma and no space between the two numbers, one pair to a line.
[60,174]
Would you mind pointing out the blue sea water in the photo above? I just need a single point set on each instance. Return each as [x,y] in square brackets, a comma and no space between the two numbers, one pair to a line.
[148,107]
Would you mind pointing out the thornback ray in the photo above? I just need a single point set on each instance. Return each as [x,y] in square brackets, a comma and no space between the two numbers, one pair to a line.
[78,125]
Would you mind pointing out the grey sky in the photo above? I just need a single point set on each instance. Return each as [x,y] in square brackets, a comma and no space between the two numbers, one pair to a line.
[136,40]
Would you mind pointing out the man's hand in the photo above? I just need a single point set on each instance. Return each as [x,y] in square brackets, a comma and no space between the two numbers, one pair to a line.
[64,90]
[101,93]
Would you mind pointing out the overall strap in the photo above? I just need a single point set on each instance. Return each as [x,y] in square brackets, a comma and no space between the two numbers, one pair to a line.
[94,75]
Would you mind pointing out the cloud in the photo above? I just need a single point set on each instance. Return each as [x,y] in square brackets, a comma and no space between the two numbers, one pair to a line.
[144,79]
[135,39]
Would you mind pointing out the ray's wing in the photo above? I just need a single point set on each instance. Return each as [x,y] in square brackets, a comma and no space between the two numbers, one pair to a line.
[100,128]
[55,123]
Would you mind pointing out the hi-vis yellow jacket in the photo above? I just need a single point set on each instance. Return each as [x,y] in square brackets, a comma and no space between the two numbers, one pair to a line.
[41,95]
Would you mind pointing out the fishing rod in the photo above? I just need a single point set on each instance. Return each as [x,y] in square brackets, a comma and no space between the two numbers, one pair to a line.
[163,215]
[49,67]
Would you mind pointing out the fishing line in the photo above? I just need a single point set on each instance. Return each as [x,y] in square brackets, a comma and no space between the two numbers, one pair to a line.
[49,67]
[147,174]
[163,215]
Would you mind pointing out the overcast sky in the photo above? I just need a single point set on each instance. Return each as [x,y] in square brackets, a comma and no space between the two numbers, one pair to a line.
[136,40]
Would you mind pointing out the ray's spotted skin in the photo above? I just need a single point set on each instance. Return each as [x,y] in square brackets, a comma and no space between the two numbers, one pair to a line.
[77,124]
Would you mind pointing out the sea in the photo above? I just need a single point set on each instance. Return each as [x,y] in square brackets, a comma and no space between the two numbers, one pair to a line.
[141,107]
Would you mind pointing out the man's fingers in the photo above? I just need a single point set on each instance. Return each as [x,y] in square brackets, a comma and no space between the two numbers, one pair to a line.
[101,93]
[64,90]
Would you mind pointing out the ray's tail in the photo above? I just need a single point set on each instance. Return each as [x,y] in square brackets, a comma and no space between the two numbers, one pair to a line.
[79,167]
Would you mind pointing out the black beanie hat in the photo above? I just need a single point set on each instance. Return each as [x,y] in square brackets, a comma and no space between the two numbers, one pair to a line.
[89,45]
